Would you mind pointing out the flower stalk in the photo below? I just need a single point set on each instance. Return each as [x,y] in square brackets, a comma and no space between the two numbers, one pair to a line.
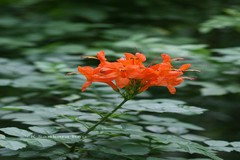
[105,117]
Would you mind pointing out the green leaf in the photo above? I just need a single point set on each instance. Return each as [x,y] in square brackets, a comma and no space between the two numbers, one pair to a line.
[235,144]
[51,67]
[71,97]
[21,116]
[152,118]
[38,123]
[27,118]
[2,136]
[131,149]
[151,106]
[5,82]
[222,148]
[217,143]
[177,130]
[193,137]
[9,99]
[44,130]
[70,48]
[13,145]
[109,150]
[80,126]
[13,131]
[40,142]
[229,55]
[28,154]
[126,44]
[210,89]
[13,43]
[8,152]
[185,125]
[32,81]
[219,22]
[191,147]
[156,129]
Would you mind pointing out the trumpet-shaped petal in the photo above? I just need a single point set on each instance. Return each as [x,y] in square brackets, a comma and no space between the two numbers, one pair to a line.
[102,58]
[184,67]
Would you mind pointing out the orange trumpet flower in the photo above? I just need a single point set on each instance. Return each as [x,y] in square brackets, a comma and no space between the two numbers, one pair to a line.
[130,74]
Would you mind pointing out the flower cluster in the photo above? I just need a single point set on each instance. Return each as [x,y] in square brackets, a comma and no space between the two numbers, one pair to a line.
[132,76]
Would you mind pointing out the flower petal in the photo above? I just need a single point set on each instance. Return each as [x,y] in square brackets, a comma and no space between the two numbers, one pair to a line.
[171,89]
[85,85]
[184,67]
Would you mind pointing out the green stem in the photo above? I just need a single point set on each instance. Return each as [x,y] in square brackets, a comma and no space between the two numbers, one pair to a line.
[105,117]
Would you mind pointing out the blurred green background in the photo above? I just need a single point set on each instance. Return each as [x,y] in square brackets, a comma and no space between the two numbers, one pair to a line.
[43,40]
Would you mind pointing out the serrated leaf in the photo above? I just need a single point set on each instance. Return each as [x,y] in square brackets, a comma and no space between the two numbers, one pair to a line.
[216,143]
[13,131]
[191,147]
[193,137]
[39,122]
[40,142]
[44,130]
[13,145]
[222,148]
[151,106]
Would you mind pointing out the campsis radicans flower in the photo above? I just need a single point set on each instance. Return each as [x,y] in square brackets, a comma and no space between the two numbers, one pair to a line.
[132,76]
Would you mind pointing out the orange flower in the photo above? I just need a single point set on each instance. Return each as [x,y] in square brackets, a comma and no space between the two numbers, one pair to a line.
[95,75]
[130,74]
[130,59]
[132,68]
[166,75]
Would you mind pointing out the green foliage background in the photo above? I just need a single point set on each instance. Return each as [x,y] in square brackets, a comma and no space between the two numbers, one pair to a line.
[43,40]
